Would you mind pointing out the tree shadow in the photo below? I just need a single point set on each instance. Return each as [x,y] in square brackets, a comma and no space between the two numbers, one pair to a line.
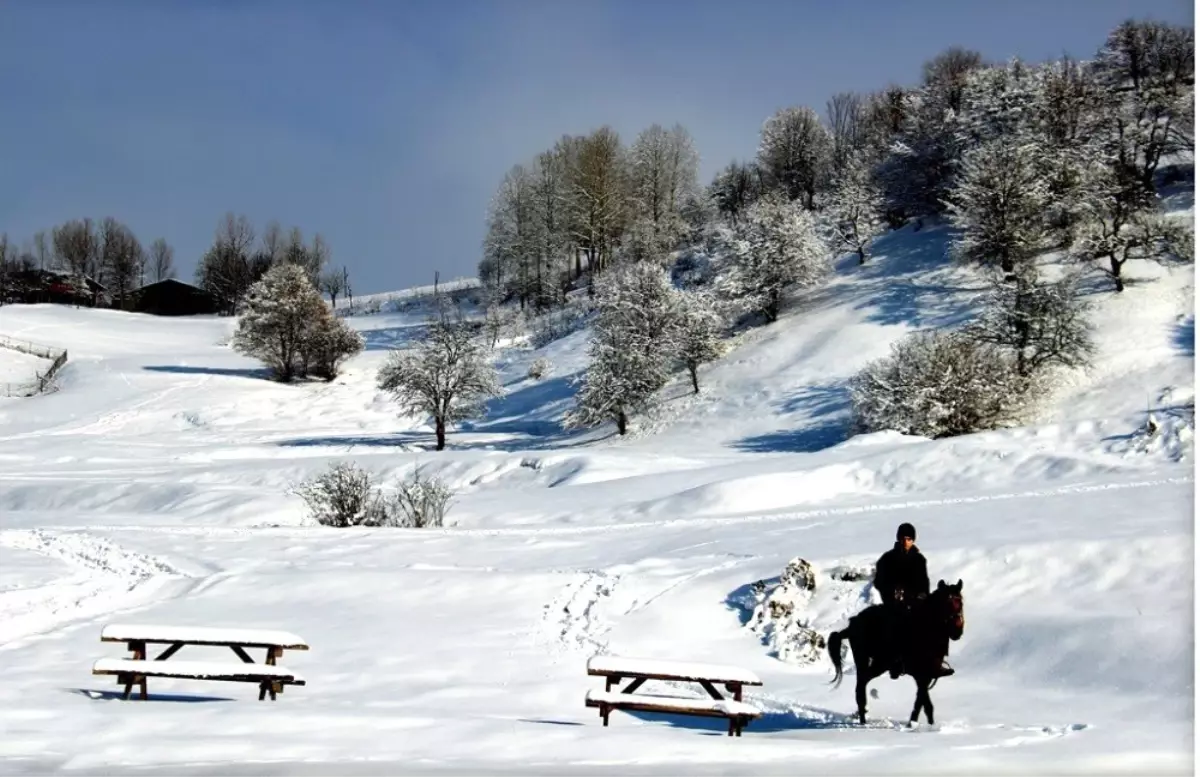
[742,599]
[257,373]
[391,440]
[135,698]
[827,410]
[393,337]
[888,283]
[1184,336]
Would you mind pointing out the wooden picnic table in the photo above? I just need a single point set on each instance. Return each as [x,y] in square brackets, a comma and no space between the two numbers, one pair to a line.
[615,669]
[134,670]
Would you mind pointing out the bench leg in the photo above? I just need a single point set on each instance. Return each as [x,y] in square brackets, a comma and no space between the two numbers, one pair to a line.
[604,711]
[732,725]
[128,688]
[262,691]
[142,685]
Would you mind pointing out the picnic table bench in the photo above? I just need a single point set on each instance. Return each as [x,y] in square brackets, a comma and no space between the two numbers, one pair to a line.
[615,669]
[271,677]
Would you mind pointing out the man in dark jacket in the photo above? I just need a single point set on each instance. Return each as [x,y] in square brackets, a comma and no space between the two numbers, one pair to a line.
[901,577]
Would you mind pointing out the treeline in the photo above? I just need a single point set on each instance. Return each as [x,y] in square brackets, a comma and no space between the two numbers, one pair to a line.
[1085,139]
[106,251]
[1021,159]
[104,258]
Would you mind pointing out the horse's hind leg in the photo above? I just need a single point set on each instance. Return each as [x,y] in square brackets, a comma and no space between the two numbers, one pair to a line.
[860,696]
[928,704]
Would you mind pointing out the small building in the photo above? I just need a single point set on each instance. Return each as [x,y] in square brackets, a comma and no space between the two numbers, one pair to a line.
[172,297]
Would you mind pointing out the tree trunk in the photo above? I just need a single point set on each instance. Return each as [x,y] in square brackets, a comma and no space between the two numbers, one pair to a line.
[862,256]
[622,422]
[1116,273]
[440,431]
[695,379]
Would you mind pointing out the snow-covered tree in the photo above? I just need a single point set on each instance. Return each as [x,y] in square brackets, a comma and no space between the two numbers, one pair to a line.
[1118,225]
[328,343]
[631,349]
[776,248]
[855,208]
[278,316]
[735,188]
[999,203]
[1147,70]
[446,375]
[699,333]
[794,153]
[1041,323]
[938,384]
[662,173]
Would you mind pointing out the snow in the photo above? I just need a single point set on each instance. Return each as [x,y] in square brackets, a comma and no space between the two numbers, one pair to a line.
[192,669]
[725,707]
[121,632]
[155,487]
[628,667]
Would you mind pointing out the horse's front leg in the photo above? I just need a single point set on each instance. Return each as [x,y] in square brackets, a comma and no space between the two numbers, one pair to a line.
[922,701]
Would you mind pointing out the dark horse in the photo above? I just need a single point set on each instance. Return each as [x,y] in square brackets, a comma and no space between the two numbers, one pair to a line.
[934,620]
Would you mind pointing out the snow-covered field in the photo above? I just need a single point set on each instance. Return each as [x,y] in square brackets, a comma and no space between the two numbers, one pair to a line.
[153,488]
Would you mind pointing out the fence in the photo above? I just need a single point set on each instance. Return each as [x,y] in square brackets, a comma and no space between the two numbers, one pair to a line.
[41,380]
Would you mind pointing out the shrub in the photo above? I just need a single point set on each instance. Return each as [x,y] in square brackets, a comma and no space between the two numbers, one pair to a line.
[938,384]
[539,368]
[346,496]
[343,496]
[420,502]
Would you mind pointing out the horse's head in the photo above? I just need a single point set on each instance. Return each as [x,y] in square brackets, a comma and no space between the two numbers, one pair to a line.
[950,606]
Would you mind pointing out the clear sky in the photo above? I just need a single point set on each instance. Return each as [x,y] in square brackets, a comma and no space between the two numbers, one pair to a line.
[387,125]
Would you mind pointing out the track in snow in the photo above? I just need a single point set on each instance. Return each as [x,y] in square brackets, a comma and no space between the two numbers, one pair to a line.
[104,578]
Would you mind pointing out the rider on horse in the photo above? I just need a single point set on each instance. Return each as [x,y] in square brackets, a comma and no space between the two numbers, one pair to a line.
[902,579]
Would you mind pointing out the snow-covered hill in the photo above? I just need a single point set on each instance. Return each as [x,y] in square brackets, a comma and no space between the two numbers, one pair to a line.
[154,486]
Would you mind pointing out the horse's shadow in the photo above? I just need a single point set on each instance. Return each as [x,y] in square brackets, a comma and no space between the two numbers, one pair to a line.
[802,718]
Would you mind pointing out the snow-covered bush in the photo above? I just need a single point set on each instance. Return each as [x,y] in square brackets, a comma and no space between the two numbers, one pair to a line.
[346,495]
[420,502]
[855,209]
[328,344]
[938,384]
[779,616]
[539,368]
[446,376]
[343,496]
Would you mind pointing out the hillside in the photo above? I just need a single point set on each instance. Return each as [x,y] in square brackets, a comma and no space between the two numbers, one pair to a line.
[153,486]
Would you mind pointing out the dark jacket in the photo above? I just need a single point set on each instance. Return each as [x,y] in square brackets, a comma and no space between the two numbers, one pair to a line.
[897,570]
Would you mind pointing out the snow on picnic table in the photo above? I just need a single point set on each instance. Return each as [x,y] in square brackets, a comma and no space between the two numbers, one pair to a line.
[199,634]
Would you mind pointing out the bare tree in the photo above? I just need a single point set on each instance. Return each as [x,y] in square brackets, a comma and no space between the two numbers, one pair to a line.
[845,113]
[76,245]
[122,258]
[162,258]
[273,242]
[333,284]
[793,153]
[228,269]
[41,249]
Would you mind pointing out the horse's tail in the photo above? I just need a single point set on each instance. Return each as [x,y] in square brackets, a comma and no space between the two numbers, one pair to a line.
[835,653]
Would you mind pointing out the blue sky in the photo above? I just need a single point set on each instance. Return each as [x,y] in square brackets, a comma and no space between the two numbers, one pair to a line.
[386,126]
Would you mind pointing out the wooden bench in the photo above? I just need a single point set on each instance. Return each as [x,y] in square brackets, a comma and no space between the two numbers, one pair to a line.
[271,677]
[615,669]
